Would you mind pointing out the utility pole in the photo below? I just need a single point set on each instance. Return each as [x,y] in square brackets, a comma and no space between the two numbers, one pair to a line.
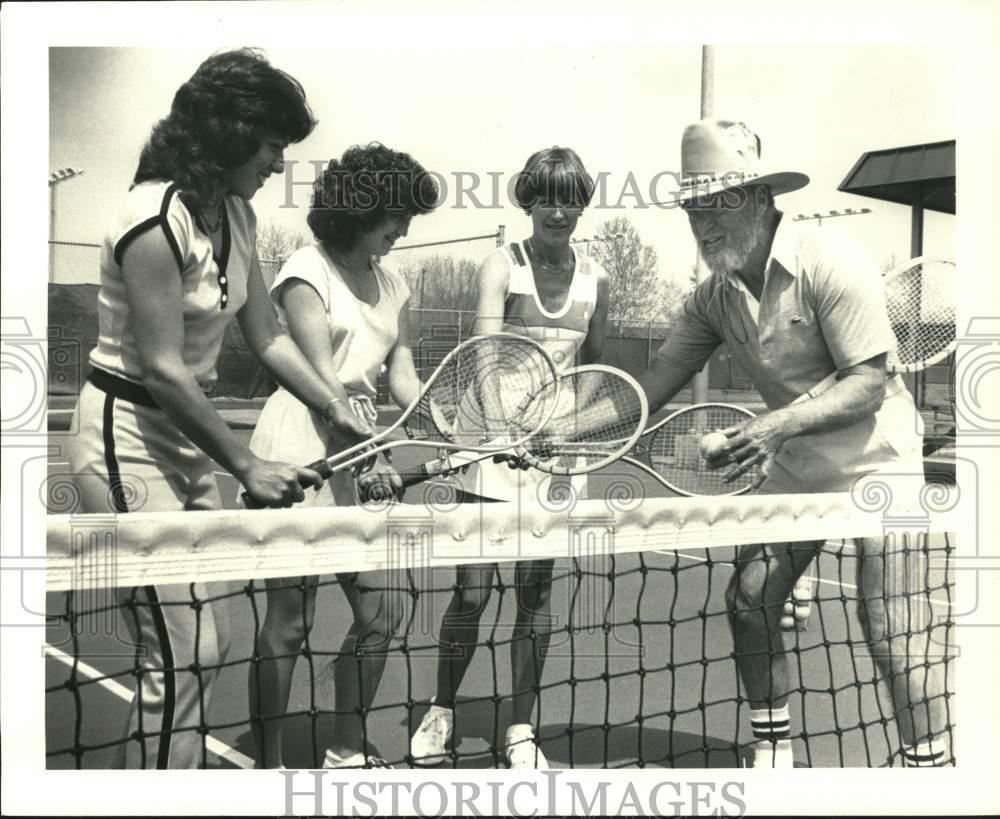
[699,384]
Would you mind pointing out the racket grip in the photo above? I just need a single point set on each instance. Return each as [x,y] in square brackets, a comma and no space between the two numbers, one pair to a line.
[413,478]
[322,467]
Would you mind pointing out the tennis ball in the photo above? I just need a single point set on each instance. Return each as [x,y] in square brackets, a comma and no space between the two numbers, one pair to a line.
[712,444]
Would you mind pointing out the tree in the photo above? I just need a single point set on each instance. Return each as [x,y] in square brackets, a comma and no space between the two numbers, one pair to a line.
[275,244]
[637,292]
[673,295]
[442,282]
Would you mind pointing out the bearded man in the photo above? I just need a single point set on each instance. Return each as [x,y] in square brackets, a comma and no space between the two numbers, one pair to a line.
[794,305]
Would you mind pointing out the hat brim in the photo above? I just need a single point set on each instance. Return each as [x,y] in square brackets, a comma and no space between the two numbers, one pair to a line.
[781,182]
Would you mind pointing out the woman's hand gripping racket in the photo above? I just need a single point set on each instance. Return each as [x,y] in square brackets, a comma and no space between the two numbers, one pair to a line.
[680,450]
[483,397]
[600,414]
[920,300]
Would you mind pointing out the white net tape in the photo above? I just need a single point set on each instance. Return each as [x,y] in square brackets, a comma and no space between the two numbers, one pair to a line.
[95,551]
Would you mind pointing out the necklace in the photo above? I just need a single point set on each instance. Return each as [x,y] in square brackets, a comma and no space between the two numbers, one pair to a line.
[559,267]
[213,227]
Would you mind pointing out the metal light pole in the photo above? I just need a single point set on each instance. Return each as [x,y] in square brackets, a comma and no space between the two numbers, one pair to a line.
[819,217]
[699,384]
[612,237]
[54,179]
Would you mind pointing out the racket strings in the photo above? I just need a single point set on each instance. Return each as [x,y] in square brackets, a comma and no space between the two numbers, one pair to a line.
[921,305]
[488,391]
[674,452]
[597,416]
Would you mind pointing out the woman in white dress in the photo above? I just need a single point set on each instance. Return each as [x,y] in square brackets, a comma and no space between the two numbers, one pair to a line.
[349,314]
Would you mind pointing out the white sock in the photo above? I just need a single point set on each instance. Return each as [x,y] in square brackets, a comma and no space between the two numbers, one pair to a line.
[931,753]
[772,737]
[520,732]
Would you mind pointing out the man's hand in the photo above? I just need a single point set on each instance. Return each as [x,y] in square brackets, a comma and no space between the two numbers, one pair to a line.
[755,442]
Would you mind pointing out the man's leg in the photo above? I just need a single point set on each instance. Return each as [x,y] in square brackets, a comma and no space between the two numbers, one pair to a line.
[764,575]
[895,615]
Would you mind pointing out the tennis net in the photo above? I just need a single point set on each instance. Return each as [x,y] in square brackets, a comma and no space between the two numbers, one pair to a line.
[640,668]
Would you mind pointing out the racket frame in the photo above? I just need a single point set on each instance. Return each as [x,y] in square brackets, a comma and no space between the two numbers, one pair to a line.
[643,450]
[366,449]
[893,366]
[446,463]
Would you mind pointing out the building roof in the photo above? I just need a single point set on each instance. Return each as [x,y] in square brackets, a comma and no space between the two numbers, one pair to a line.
[924,173]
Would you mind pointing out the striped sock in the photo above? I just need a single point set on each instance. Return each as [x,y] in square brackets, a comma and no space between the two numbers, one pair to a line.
[772,724]
[929,754]
[772,737]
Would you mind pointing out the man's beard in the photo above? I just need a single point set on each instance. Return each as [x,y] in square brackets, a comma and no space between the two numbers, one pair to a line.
[737,251]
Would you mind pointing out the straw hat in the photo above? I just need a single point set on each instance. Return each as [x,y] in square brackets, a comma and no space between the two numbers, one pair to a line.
[718,154]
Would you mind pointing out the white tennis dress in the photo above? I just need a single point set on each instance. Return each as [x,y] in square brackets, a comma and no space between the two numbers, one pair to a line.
[362,337]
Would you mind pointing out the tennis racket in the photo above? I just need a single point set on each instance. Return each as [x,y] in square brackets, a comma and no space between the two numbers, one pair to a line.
[669,451]
[600,412]
[920,299]
[488,393]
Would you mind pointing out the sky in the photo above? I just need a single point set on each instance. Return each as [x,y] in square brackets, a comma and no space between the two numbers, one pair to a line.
[461,111]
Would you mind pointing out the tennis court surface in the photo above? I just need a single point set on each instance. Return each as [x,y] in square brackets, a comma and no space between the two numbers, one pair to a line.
[640,670]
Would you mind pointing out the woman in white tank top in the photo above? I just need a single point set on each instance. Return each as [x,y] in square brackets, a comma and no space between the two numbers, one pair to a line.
[349,313]
[540,288]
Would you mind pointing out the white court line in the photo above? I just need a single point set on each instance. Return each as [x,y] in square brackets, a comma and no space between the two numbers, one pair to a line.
[215,746]
[839,584]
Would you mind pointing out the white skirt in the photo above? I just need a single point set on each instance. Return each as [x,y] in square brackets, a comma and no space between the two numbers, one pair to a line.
[287,430]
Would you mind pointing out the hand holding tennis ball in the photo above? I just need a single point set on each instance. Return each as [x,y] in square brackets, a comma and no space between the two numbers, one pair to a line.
[712,445]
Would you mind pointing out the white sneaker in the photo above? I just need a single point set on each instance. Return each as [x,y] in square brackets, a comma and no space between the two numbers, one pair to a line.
[522,749]
[429,742]
[767,754]
[358,760]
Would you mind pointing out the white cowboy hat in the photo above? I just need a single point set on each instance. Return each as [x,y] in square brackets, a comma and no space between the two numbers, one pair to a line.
[718,154]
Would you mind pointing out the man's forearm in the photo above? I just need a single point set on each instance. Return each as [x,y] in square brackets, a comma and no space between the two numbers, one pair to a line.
[850,400]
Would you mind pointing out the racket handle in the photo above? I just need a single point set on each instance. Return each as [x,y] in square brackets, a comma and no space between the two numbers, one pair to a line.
[321,466]
[421,474]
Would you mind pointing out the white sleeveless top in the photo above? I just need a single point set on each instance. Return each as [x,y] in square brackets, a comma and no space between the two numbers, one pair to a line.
[362,337]
[213,288]
[561,333]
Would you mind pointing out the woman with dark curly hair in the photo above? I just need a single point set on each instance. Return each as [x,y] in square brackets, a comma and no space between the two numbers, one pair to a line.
[177,265]
[349,314]
[540,288]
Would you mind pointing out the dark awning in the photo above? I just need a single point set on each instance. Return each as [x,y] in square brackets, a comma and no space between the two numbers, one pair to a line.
[916,173]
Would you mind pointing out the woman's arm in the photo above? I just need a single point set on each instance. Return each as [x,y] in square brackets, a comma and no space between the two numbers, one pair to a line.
[494,277]
[404,383]
[593,345]
[153,291]
[303,362]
